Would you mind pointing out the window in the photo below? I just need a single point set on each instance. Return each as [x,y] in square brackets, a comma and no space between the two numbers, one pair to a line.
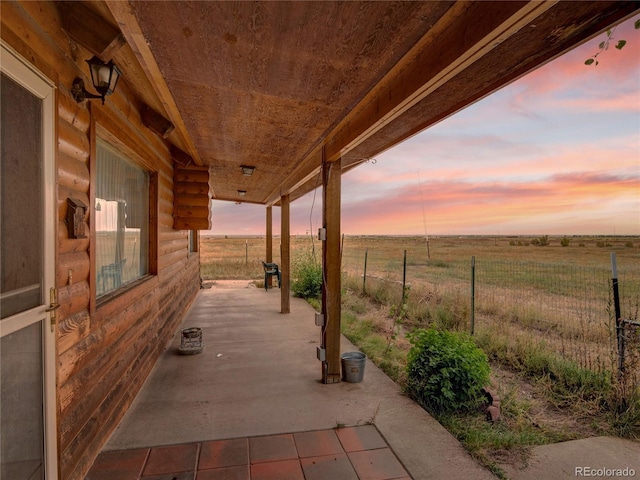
[121,220]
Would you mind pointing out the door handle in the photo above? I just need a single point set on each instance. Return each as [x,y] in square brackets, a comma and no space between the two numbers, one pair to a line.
[53,306]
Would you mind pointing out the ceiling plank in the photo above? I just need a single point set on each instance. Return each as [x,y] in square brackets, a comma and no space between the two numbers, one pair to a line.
[464,34]
[123,14]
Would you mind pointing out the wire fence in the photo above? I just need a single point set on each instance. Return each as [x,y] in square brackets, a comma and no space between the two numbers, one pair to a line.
[562,307]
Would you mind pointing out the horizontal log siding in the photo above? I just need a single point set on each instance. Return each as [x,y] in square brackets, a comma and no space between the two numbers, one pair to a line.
[103,358]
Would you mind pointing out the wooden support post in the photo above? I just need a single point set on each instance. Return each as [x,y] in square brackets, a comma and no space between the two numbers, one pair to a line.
[331,266]
[269,252]
[285,256]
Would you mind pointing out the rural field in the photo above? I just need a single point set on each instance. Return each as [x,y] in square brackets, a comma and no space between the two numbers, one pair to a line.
[541,308]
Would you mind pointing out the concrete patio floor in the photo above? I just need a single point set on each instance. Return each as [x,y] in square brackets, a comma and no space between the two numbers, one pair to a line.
[251,407]
[258,380]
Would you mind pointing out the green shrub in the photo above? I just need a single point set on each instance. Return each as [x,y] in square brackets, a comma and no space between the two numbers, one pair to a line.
[306,275]
[446,371]
[565,241]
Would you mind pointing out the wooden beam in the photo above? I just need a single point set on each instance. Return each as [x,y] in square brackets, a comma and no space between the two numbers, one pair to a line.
[123,14]
[469,30]
[155,122]
[269,252]
[331,267]
[285,256]
[181,158]
[90,30]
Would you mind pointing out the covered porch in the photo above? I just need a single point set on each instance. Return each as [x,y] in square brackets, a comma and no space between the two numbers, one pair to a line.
[257,384]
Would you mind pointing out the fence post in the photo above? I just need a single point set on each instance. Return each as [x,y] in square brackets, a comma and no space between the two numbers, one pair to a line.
[616,305]
[364,276]
[246,251]
[473,293]
[404,276]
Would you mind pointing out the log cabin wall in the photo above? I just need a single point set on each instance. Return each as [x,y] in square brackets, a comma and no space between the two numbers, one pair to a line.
[104,351]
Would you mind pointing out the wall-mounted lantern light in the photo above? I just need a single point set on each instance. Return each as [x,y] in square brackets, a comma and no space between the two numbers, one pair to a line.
[104,77]
[247,170]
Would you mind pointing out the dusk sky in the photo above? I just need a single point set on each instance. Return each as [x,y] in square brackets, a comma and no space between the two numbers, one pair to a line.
[556,152]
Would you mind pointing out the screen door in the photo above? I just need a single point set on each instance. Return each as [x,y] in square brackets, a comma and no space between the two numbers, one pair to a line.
[27,204]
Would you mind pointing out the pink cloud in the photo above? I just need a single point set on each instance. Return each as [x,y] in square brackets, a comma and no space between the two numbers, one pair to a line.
[468,207]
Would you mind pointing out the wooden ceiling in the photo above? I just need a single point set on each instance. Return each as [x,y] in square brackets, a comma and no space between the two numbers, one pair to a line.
[279,85]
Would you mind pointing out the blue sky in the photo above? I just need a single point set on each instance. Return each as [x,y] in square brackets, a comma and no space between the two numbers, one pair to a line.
[556,152]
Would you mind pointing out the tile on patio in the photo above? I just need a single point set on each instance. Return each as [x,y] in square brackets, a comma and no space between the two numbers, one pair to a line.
[353,453]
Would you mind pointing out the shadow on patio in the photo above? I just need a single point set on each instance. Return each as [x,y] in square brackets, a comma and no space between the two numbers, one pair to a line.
[257,385]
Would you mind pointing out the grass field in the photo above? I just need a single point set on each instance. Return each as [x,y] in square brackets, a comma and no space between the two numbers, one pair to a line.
[542,313]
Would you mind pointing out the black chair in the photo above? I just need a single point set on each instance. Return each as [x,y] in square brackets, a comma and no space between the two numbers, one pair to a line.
[270,270]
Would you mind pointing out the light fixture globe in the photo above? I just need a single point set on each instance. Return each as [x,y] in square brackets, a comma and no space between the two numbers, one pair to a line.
[247,170]
[104,76]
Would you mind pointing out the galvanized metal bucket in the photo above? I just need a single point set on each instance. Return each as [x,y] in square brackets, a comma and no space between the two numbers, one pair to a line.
[353,366]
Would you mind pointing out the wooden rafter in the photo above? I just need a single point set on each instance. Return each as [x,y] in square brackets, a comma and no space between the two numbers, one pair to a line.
[155,122]
[130,27]
[90,30]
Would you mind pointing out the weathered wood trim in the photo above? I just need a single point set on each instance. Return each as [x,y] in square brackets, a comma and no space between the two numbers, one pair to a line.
[285,255]
[70,111]
[72,268]
[154,230]
[73,173]
[71,330]
[73,299]
[331,267]
[155,122]
[191,199]
[170,246]
[173,257]
[70,245]
[187,223]
[183,159]
[191,211]
[73,142]
[269,242]
[93,139]
[25,36]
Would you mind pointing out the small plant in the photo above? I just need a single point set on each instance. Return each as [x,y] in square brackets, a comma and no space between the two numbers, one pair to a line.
[306,276]
[565,241]
[446,371]
[543,241]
